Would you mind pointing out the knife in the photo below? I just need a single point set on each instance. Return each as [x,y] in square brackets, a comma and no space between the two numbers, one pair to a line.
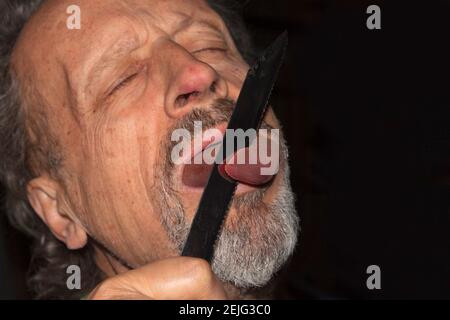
[248,113]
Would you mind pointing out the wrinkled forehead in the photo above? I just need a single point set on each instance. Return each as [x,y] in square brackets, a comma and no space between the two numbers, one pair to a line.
[47,42]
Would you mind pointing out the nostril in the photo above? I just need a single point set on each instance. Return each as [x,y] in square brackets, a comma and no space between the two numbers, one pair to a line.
[183,99]
[213,86]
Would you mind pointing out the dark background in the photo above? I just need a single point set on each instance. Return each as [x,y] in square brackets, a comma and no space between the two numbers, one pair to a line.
[366,115]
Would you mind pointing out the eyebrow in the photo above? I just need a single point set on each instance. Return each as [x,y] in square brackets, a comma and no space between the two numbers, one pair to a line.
[188,22]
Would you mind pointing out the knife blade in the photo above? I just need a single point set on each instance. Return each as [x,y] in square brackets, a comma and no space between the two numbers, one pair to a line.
[248,114]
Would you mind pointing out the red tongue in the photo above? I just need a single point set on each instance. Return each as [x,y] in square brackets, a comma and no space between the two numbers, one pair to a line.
[248,173]
[196,175]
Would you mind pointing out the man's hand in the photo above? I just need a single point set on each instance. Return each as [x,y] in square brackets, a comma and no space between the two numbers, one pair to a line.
[170,279]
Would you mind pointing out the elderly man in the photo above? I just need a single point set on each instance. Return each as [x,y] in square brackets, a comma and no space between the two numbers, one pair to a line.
[86,118]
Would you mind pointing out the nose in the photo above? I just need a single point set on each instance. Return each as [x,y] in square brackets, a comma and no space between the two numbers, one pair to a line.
[194,84]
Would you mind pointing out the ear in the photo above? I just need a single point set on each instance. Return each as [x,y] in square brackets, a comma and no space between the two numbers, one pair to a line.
[45,196]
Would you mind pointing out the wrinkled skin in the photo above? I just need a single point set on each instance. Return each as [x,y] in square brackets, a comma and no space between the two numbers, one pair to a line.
[111,138]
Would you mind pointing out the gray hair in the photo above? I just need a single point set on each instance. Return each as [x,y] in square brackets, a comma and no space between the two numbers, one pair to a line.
[21,149]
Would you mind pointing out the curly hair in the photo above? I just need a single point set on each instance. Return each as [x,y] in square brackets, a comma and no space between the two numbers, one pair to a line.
[23,149]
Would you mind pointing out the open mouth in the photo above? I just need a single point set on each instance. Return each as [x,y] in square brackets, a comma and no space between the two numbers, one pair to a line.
[195,174]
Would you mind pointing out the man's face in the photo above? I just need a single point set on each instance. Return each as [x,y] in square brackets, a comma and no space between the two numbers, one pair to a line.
[115,90]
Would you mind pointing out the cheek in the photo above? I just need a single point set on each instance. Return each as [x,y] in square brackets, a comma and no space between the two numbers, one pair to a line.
[123,152]
[119,186]
[271,118]
[124,142]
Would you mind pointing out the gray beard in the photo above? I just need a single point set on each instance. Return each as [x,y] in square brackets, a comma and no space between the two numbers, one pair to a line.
[254,244]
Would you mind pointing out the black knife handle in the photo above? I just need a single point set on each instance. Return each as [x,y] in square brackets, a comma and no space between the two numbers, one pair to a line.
[209,217]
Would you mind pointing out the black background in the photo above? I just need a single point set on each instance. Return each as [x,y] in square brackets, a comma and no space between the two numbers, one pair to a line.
[366,115]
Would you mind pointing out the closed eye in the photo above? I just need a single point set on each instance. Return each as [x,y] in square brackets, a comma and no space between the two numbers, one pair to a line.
[210,49]
[122,83]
